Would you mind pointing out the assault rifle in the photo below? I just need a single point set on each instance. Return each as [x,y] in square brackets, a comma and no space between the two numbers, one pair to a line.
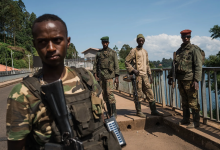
[54,97]
[98,70]
[173,70]
[173,79]
[135,94]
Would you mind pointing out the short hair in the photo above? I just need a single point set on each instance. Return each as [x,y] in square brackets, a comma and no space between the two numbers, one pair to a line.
[47,17]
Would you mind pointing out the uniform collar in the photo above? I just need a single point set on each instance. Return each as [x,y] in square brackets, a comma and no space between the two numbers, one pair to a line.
[139,48]
[186,46]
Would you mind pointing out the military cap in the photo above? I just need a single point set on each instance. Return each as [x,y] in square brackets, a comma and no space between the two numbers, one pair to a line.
[186,32]
[105,39]
[140,36]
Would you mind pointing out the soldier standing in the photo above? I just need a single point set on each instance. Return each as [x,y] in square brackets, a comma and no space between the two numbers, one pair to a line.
[188,70]
[105,69]
[137,62]
[30,122]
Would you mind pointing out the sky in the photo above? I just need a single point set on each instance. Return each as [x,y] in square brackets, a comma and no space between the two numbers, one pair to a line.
[160,21]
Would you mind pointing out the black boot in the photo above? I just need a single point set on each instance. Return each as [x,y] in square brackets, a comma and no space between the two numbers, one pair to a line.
[154,110]
[114,111]
[109,109]
[138,109]
[186,116]
[196,119]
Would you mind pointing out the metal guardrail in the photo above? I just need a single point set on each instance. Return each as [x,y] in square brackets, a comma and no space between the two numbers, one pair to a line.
[11,75]
[163,95]
[13,72]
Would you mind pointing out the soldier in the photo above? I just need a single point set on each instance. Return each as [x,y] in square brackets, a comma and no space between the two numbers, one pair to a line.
[137,62]
[106,68]
[188,70]
[30,123]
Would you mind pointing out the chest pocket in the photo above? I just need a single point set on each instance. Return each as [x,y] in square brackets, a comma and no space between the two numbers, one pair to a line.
[107,61]
[184,62]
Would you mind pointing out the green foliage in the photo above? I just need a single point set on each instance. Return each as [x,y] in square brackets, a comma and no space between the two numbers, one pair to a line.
[166,63]
[121,63]
[123,53]
[71,52]
[214,61]
[215,32]
[152,65]
[15,29]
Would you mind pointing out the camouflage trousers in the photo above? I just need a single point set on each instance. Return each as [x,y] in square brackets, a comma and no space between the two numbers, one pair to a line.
[143,85]
[107,90]
[189,95]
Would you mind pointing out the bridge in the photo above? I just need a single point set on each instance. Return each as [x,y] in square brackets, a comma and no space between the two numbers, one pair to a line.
[152,132]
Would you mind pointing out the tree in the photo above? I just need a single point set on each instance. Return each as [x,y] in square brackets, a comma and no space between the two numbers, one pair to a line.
[215,32]
[116,49]
[71,52]
[125,50]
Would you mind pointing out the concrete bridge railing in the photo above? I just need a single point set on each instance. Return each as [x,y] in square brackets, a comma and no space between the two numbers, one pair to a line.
[167,96]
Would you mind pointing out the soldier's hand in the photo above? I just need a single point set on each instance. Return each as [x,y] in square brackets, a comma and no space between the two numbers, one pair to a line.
[136,72]
[116,80]
[97,79]
[196,85]
[170,81]
[151,79]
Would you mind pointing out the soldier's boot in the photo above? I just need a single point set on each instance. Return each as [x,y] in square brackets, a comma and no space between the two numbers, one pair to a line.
[196,118]
[114,110]
[186,116]
[138,109]
[109,109]
[154,110]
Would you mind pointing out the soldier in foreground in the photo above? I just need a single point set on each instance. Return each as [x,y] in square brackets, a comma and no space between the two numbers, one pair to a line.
[137,62]
[31,124]
[106,68]
[188,64]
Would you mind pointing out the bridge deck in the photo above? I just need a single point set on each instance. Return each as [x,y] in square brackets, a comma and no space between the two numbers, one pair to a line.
[151,133]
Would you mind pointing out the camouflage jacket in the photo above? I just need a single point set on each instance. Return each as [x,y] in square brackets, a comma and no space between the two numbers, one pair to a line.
[138,61]
[21,103]
[188,63]
[108,63]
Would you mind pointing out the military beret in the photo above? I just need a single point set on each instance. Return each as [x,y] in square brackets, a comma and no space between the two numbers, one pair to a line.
[186,32]
[105,39]
[140,36]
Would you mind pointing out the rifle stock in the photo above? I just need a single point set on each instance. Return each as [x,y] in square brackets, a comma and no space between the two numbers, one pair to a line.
[54,97]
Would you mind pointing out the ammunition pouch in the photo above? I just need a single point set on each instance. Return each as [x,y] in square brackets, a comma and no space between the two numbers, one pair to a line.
[97,106]
[102,140]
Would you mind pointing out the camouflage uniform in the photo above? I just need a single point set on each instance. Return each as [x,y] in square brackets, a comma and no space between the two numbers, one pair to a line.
[188,69]
[138,57]
[27,115]
[143,83]
[109,69]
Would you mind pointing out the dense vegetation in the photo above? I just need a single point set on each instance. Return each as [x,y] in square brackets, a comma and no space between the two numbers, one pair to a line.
[15,34]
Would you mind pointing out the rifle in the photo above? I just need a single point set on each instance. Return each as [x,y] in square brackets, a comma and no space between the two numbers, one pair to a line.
[135,94]
[174,70]
[54,97]
[98,70]
[173,79]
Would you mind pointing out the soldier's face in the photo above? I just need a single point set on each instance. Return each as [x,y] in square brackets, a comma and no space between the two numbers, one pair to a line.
[140,42]
[51,42]
[186,39]
[105,44]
